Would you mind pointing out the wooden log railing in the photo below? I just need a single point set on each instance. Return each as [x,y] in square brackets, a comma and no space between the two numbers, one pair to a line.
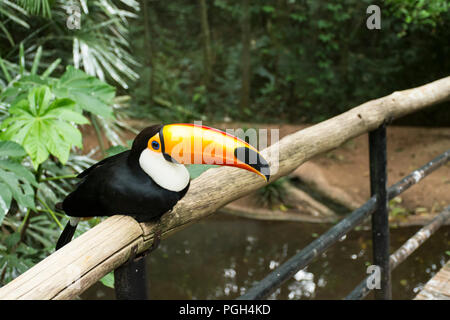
[74,268]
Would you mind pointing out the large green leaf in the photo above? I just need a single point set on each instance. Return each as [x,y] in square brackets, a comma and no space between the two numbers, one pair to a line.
[19,170]
[87,92]
[16,181]
[44,125]
[90,93]
[34,144]
[19,187]
[19,89]
[11,149]
[14,186]
[108,280]
[5,200]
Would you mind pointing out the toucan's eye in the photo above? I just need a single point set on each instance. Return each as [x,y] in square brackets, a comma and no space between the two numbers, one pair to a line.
[155,145]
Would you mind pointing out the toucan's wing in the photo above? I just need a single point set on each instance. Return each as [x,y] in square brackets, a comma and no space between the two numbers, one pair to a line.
[102,162]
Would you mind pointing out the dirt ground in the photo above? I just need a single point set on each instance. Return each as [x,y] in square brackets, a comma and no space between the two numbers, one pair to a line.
[347,167]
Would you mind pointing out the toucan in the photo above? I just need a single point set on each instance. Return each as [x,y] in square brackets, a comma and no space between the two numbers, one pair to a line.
[148,180]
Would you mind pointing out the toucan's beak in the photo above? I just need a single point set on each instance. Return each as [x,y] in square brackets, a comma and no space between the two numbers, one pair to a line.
[195,144]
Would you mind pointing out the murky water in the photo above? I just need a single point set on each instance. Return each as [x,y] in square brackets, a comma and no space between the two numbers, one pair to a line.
[220,257]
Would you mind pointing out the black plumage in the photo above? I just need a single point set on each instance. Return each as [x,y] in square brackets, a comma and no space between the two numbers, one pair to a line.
[118,185]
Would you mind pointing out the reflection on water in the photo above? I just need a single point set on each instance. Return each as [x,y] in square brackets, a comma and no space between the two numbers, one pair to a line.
[303,286]
[222,256]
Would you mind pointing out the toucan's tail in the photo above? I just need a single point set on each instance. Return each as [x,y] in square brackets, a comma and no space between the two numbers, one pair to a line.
[67,234]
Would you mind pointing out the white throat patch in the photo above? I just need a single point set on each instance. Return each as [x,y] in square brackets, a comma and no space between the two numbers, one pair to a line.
[168,175]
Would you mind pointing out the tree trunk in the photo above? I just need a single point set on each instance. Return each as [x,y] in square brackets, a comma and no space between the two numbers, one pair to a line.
[206,37]
[245,58]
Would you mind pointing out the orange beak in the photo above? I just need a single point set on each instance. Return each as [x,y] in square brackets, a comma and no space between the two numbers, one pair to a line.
[195,144]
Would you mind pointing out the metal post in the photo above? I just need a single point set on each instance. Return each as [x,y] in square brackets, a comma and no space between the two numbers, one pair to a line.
[130,280]
[380,218]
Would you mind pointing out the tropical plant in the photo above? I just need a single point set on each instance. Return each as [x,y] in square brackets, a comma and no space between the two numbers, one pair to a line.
[32,178]
[91,36]
[41,105]
[98,44]
[42,125]
[310,59]
[16,182]
[30,230]
[273,194]
[420,13]
[87,92]
[14,13]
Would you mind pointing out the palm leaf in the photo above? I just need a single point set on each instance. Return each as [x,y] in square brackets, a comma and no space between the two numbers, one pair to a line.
[36,7]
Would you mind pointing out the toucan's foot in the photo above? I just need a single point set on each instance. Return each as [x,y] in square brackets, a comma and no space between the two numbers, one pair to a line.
[156,238]
[156,241]
[153,247]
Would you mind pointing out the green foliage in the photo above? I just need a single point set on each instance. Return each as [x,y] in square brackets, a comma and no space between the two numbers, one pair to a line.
[273,194]
[99,46]
[17,253]
[42,125]
[11,149]
[37,224]
[41,7]
[310,60]
[87,92]
[16,182]
[395,208]
[90,93]
[15,14]
[15,262]
[108,280]
[41,104]
[112,151]
[419,13]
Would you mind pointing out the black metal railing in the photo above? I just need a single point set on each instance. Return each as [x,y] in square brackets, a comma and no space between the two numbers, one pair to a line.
[131,276]
[130,280]
[380,220]
[362,290]
[380,225]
